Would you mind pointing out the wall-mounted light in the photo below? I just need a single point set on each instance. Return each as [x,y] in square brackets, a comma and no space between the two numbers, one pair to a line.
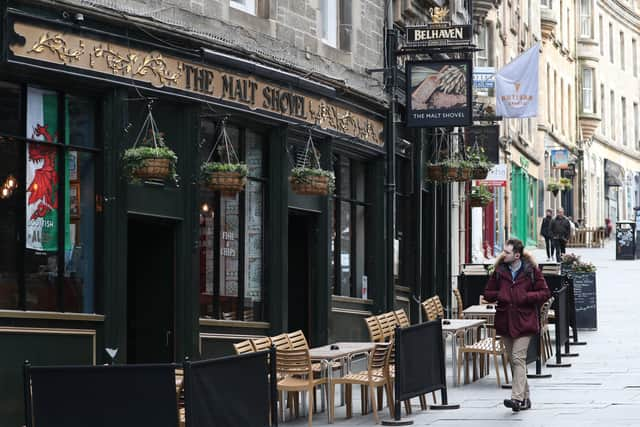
[8,186]
[205,207]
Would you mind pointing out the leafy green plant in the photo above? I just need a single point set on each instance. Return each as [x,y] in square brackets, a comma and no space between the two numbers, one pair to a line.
[566,184]
[206,169]
[482,195]
[133,159]
[477,157]
[553,186]
[584,267]
[304,175]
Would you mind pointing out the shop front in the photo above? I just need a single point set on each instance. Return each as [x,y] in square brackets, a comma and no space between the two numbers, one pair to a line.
[160,270]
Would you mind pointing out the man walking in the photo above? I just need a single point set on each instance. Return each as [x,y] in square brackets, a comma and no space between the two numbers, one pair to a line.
[519,288]
[545,231]
[560,232]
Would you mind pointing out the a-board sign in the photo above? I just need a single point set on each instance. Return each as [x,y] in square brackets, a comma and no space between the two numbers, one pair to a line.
[584,288]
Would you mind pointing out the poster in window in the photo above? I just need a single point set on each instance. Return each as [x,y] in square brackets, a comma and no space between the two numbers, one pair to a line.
[439,93]
[73,165]
[74,200]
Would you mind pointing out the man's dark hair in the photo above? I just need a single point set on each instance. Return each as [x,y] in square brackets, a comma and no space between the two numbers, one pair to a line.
[518,247]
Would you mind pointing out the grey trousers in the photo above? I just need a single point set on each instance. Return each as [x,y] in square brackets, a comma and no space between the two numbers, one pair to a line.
[517,352]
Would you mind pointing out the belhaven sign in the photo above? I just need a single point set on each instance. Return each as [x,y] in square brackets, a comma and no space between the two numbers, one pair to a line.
[434,35]
[71,51]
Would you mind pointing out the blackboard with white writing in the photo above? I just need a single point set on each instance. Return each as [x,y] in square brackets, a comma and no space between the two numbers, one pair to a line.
[584,285]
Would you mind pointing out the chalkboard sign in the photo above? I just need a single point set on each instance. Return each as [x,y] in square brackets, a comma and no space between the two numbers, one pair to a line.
[625,240]
[584,285]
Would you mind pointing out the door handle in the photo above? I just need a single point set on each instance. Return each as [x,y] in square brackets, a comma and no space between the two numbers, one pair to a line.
[168,337]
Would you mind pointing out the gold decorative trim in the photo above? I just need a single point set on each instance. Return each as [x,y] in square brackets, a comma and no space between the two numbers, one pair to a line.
[51,315]
[234,323]
[57,331]
[362,313]
[57,45]
[212,83]
[351,300]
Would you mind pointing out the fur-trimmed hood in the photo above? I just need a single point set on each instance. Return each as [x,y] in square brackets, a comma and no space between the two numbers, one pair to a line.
[527,258]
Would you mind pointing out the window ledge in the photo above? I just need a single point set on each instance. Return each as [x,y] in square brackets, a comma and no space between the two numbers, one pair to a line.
[233,323]
[51,315]
[340,298]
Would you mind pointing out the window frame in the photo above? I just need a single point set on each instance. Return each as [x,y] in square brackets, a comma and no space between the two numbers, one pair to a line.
[248,6]
[62,150]
[586,21]
[587,90]
[329,24]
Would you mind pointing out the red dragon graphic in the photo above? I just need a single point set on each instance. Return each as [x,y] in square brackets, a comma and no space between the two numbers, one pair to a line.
[45,179]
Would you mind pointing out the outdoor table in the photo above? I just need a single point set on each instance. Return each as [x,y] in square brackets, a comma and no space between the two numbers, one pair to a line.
[452,327]
[481,311]
[344,353]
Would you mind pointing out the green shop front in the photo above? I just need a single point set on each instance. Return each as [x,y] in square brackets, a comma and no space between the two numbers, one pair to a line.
[524,200]
[166,269]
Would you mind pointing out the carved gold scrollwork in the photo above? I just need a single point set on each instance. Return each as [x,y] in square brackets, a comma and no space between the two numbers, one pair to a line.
[347,123]
[58,45]
[158,67]
[116,62]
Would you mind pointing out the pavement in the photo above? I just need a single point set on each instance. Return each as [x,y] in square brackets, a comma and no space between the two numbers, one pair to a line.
[601,388]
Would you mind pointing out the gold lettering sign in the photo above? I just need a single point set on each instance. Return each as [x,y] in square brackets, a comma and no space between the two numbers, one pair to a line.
[165,71]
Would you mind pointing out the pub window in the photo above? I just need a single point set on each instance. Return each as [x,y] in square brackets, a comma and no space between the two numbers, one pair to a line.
[231,255]
[248,6]
[348,227]
[329,22]
[585,18]
[587,90]
[48,210]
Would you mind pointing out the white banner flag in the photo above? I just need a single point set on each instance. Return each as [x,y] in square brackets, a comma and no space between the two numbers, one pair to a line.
[517,86]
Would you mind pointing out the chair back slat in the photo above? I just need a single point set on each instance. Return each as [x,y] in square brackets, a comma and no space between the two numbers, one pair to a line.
[379,356]
[387,324]
[375,331]
[430,309]
[281,341]
[260,344]
[297,340]
[402,318]
[439,306]
[243,347]
[460,306]
[293,362]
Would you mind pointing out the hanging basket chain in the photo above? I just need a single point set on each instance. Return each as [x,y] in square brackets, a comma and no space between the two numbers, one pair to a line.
[231,155]
[305,161]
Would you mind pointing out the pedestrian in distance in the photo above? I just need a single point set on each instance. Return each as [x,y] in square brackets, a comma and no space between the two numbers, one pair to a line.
[560,233]
[545,231]
[519,288]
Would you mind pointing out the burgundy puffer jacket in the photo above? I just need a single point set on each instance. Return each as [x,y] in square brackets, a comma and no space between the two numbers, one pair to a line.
[518,300]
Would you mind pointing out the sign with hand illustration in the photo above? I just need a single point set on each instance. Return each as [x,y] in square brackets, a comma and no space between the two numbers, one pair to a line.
[439,93]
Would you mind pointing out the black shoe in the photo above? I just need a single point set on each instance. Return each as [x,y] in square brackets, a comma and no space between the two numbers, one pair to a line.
[514,404]
[525,404]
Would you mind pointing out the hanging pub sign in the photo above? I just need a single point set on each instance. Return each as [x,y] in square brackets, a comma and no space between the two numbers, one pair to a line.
[439,93]
[438,35]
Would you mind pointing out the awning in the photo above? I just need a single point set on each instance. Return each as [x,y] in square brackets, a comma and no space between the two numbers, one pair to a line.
[613,174]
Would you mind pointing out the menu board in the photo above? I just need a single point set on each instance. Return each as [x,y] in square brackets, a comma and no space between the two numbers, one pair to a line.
[584,285]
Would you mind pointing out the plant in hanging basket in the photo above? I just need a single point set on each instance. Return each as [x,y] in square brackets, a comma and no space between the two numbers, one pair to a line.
[480,164]
[449,170]
[143,162]
[224,177]
[480,196]
[566,184]
[554,187]
[312,181]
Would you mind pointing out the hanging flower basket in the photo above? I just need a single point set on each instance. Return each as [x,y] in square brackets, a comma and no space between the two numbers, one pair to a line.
[224,177]
[480,197]
[145,163]
[553,187]
[448,171]
[311,181]
[228,177]
[151,159]
[479,172]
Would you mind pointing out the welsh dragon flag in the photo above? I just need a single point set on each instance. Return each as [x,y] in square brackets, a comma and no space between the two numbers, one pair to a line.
[42,172]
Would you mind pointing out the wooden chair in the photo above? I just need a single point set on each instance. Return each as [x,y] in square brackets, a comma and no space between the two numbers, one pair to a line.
[281,342]
[375,331]
[439,306]
[294,368]
[546,348]
[244,347]
[402,318]
[429,308]
[375,376]
[387,325]
[459,304]
[297,340]
[260,344]
[489,346]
